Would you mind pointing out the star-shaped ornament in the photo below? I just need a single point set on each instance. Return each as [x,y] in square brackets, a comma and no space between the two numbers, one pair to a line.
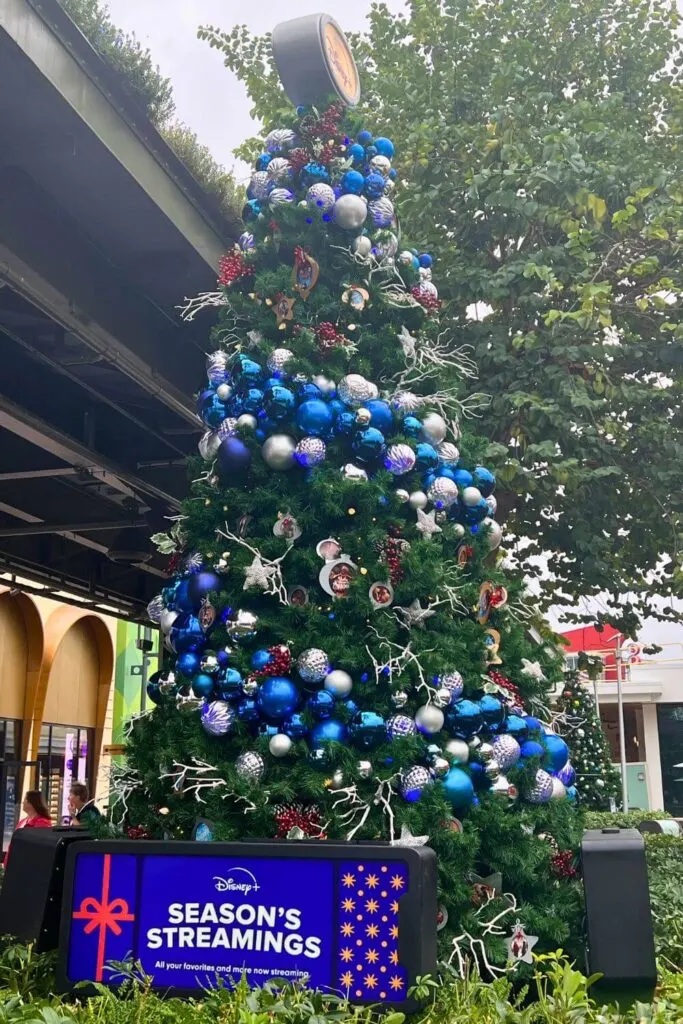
[533,670]
[408,343]
[414,615]
[283,309]
[427,524]
[408,839]
[258,574]
[520,945]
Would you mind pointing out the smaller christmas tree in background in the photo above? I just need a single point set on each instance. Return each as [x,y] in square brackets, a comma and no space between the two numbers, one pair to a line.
[579,723]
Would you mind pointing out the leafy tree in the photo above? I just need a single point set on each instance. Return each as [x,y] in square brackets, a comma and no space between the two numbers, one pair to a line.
[542,145]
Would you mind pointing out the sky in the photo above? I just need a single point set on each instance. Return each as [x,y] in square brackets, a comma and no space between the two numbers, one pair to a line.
[214,103]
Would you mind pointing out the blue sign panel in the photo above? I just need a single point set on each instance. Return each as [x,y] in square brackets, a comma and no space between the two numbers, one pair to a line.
[357,920]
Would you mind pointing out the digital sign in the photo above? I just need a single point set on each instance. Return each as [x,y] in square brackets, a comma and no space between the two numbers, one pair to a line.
[359,920]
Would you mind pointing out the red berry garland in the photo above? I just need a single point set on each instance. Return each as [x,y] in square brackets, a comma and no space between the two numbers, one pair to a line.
[231,268]
[426,300]
[298,158]
[173,563]
[327,336]
[138,832]
[391,553]
[279,665]
[563,865]
[296,816]
[512,697]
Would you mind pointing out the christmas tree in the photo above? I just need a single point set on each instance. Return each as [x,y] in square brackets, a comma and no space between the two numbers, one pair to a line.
[591,766]
[347,659]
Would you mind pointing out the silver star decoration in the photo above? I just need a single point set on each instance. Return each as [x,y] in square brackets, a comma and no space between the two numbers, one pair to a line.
[408,839]
[414,615]
[408,343]
[520,945]
[255,338]
[533,670]
[427,524]
[258,574]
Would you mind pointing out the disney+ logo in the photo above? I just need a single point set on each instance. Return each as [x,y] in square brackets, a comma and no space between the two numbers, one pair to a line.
[240,880]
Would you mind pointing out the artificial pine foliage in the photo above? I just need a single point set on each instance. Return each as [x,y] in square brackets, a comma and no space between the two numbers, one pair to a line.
[597,779]
[348,658]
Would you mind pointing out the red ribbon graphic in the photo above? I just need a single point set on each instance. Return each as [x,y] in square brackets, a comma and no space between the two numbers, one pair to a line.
[103,915]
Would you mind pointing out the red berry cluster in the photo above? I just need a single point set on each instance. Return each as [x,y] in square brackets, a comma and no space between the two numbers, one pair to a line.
[427,301]
[231,268]
[280,662]
[138,832]
[391,552]
[330,118]
[328,336]
[173,563]
[563,865]
[514,697]
[292,816]
[328,153]
[298,158]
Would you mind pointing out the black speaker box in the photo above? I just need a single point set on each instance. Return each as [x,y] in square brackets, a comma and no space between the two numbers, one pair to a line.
[619,923]
[31,896]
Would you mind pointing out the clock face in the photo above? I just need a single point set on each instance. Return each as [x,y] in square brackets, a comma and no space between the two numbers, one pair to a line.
[341,64]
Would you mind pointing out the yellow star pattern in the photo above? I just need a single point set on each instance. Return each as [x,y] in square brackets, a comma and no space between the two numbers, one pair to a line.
[372,956]
[346,954]
[393,906]
[393,957]
[347,929]
[396,983]
[397,882]
[346,980]
[372,881]
[349,880]
[372,906]
[372,931]
[348,904]
[393,931]
[370,981]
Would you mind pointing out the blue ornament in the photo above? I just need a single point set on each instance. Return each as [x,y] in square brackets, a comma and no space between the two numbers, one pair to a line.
[250,400]
[350,707]
[463,719]
[533,724]
[368,445]
[187,664]
[516,726]
[446,471]
[229,684]
[251,210]
[223,656]
[426,456]
[247,371]
[479,777]
[321,704]
[217,718]
[308,390]
[425,259]
[357,154]
[210,409]
[492,710]
[312,173]
[572,794]
[278,698]
[330,731]
[384,147]
[336,407]
[530,748]
[380,414]
[458,788]
[474,514]
[314,417]
[346,423]
[295,727]
[279,402]
[556,752]
[187,634]
[374,185]
[260,659]
[202,685]
[263,160]
[463,478]
[268,730]
[368,730]
[353,181]
[412,426]
[182,600]
[567,775]
[247,710]
[234,458]
[484,480]
[153,688]
[364,137]
[370,151]
[200,585]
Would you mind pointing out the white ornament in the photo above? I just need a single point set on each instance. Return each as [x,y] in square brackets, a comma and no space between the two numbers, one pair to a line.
[494,533]
[414,614]
[381,164]
[400,459]
[362,246]
[278,451]
[448,453]
[320,197]
[166,620]
[418,499]
[350,212]
[278,359]
[406,403]
[429,719]
[280,745]
[258,574]
[458,751]
[408,839]
[426,524]
[209,444]
[279,169]
[471,495]
[520,945]
[260,185]
[339,683]
[559,790]
[533,670]
[224,392]
[281,197]
[434,428]
[443,492]
[324,385]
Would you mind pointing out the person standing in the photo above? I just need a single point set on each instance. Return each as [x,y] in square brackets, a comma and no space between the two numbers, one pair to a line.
[83,809]
[36,814]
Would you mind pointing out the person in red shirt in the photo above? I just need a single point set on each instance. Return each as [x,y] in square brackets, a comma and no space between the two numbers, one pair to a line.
[36,814]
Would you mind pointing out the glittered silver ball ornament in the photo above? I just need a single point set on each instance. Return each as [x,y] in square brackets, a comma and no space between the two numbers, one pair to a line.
[429,719]
[440,767]
[449,454]
[350,212]
[250,766]
[458,751]
[260,185]
[381,212]
[399,726]
[406,403]
[453,682]
[381,164]
[209,664]
[365,769]
[313,665]
[471,495]
[494,533]
[280,745]
[402,495]
[434,428]
[339,683]
[418,499]
[485,752]
[384,245]
[208,445]
[400,459]
[167,619]
[443,492]
[414,781]
[506,751]
[559,790]
[278,452]
[399,699]
[354,390]
[281,197]
[278,359]
[217,717]
[280,140]
[155,609]
[362,246]
[320,197]
[279,169]
[243,625]
[363,417]
[543,788]
[310,451]
[441,698]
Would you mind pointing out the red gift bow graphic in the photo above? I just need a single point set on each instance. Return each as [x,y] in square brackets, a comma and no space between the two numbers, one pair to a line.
[103,915]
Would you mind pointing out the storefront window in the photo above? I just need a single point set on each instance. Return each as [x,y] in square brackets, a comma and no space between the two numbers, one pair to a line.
[64,756]
[670,724]
[10,774]
[634,739]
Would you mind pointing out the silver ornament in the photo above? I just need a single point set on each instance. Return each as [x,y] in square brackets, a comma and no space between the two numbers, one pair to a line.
[492,769]
[281,197]
[310,451]
[449,454]
[224,392]
[278,359]
[166,620]
[399,459]
[418,499]
[453,682]
[245,422]
[250,687]
[494,533]
[362,246]
[559,790]
[402,495]
[280,745]
[209,664]
[337,780]
[443,492]
[351,472]
[155,609]
[365,769]
[354,390]
[406,403]
[208,445]
[406,258]
[250,766]
[381,164]
[280,140]
[474,744]
[502,789]
[320,197]
[381,213]
[485,752]
[339,683]
[414,781]
[217,367]
[260,185]
[434,428]
[323,384]
[313,665]
[543,788]
[458,751]
[385,245]
[506,751]
[243,625]
[399,726]
[279,169]
[363,417]
[458,531]
[399,699]
[440,767]
[425,273]
[471,495]
[429,719]
[350,212]
[217,717]
[441,698]
[278,451]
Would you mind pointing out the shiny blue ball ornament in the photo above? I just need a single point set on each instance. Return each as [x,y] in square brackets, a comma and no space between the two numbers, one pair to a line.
[463,478]
[277,698]
[247,371]
[314,417]
[279,402]
[202,685]
[368,445]
[412,426]
[426,456]
[251,210]
[336,407]
[153,688]
[187,664]
[307,390]
[381,416]
[353,182]
[475,514]
[200,585]
[572,794]
[312,173]
[357,154]
[187,634]
[516,726]
[364,137]
[567,775]
[368,730]
[345,423]
[384,147]
[330,731]
[223,656]
[295,727]
[463,719]
[530,748]
[484,480]
[458,788]
[260,659]
[492,710]
[321,704]
[210,409]
[234,458]
[370,151]
[556,752]
[263,160]
[533,724]
[479,777]
[229,684]
[248,710]
[250,400]
[182,601]
[425,259]
[374,185]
